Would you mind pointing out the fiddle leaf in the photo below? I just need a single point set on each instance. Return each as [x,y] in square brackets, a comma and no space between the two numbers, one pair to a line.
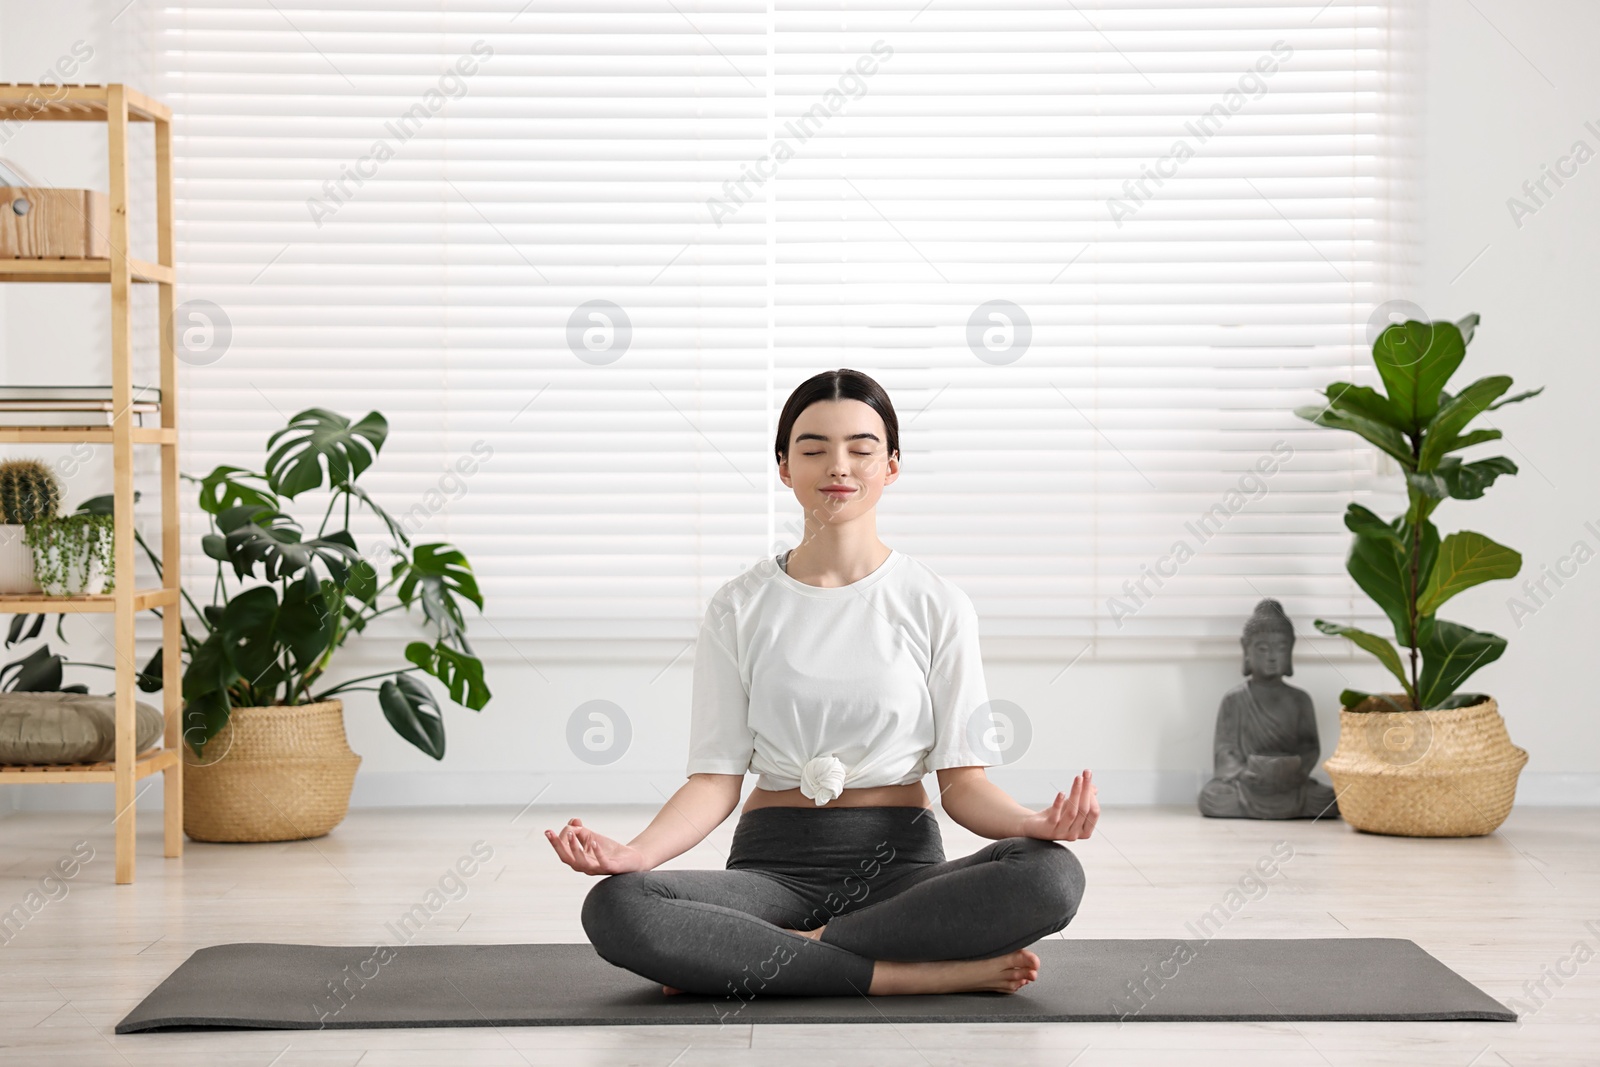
[1378,646]
[1448,422]
[1385,437]
[1415,359]
[1466,559]
[1450,653]
[1382,565]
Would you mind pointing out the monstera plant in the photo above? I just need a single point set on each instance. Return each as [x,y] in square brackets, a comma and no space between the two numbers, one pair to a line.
[1402,563]
[284,602]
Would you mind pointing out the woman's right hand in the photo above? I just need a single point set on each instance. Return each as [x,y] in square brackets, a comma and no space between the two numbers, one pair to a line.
[588,852]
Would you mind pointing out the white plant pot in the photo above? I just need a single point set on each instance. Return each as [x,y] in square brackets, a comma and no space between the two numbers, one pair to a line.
[16,561]
[84,574]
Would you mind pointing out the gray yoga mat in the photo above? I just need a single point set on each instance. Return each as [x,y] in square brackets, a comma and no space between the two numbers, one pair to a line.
[290,987]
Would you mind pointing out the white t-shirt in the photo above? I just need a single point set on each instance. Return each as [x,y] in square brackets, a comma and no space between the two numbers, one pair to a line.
[869,684]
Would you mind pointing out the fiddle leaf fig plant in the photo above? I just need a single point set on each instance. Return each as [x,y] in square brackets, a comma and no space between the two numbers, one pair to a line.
[271,633]
[1403,564]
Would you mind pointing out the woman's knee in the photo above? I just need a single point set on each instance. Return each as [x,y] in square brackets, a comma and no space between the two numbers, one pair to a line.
[1057,877]
[611,912]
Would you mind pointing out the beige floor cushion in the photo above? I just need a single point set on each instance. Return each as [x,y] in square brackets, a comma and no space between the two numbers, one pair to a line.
[68,727]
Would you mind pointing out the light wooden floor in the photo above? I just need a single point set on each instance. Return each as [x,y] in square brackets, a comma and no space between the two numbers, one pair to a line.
[1500,910]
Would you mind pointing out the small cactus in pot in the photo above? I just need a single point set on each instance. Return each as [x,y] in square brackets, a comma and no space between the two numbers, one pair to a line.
[29,492]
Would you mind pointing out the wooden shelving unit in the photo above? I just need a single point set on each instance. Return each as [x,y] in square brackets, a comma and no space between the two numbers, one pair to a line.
[117,106]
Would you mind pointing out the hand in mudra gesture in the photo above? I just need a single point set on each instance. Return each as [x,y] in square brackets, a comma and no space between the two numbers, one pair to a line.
[588,852]
[1070,817]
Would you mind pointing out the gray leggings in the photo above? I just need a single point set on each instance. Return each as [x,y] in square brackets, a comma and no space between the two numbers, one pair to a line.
[876,877]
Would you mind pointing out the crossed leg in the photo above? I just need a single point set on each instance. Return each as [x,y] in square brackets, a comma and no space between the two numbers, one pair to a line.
[736,932]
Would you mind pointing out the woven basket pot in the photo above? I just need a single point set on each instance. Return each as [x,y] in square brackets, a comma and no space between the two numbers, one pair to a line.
[1424,773]
[280,773]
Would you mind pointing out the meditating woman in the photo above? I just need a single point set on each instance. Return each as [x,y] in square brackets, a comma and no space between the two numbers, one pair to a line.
[841,672]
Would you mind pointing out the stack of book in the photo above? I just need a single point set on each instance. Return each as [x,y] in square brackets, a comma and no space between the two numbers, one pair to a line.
[72,405]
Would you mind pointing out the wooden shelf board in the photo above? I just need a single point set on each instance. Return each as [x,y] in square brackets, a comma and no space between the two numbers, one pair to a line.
[79,270]
[152,762]
[26,101]
[38,603]
[142,435]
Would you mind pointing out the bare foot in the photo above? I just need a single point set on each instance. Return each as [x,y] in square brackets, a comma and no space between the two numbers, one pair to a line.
[1000,974]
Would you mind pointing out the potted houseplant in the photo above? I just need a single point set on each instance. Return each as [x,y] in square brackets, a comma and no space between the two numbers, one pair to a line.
[73,554]
[29,492]
[265,729]
[1429,761]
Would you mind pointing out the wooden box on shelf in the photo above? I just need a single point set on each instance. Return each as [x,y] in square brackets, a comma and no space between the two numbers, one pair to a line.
[38,223]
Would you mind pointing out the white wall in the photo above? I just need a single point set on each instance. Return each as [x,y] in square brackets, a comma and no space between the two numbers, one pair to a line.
[1491,120]
[1510,88]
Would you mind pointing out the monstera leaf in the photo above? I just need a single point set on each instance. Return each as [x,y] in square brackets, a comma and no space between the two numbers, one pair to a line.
[436,575]
[102,505]
[247,633]
[206,680]
[254,534]
[396,531]
[462,673]
[308,618]
[226,487]
[317,438]
[37,672]
[240,652]
[414,714]
[150,679]
[19,623]
[203,715]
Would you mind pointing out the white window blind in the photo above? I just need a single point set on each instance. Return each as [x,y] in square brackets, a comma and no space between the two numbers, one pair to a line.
[1096,253]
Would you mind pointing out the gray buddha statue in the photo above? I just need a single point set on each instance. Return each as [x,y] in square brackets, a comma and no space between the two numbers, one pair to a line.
[1266,743]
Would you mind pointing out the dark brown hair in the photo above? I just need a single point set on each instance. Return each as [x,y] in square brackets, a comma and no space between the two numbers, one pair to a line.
[842,384]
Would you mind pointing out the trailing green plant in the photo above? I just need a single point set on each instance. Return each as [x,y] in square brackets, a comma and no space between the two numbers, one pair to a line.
[66,547]
[40,671]
[28,491]
[1402,564]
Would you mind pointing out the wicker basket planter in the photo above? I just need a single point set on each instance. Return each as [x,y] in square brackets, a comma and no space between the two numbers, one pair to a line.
[1425,773]
[279,773]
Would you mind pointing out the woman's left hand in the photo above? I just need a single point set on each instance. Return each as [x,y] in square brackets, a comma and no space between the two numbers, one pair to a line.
[1071,817]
